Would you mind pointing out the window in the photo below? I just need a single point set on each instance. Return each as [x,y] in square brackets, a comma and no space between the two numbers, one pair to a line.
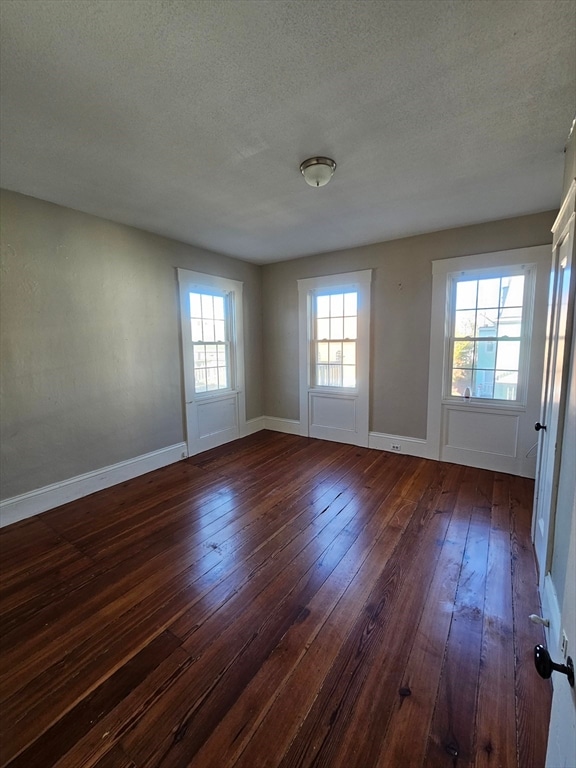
[335,324]
[209,318]
[488,334]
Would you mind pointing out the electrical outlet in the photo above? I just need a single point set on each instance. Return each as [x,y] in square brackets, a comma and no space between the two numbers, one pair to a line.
[395,447]
[564,644]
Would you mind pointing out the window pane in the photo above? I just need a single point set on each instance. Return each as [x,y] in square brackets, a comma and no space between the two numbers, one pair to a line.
[350,304]
[199,380]
[322,352]
[349,376]
[199,357]
[515,294]
[322,329]
[465,323]
[337,328]
[485,311]
[195,305]
[508,358]
[207,308]
[489,293]
[463,354]
[486,322]
[513,291]
[335,352]
[219,330]
[461,380]
[219,307]
[336,320]
[211,378]
[483,384]
[485,354]
[323,306]
[197,330]
[510,323]
[337,305]
[335,375]
[222,377]
[466,294]
[322,375]
[506,386]
[350,329]
[349,353]
[207,330]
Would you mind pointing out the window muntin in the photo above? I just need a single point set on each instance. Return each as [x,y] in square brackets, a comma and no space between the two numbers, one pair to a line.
[210,330]
[334,342]
[488,331]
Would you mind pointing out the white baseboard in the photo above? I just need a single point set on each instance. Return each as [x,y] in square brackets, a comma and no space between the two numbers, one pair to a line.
[42,499]
[413,446]
[252,425]
[289,426]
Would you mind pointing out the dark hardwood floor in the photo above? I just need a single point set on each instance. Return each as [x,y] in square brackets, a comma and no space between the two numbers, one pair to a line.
[276,602]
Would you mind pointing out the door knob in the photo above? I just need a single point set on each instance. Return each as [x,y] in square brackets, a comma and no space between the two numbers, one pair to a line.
[545,666]
[539,426]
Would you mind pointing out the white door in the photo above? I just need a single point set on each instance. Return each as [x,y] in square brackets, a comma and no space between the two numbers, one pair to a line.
[212,352]
[334,357]
[554,391]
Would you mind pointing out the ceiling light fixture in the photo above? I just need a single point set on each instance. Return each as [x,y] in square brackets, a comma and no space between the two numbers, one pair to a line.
[317,171]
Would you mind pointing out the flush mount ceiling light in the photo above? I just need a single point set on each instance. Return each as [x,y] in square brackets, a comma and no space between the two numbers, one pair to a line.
[317,171]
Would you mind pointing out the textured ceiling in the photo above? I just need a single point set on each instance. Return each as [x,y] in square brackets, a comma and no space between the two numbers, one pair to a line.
[190,118]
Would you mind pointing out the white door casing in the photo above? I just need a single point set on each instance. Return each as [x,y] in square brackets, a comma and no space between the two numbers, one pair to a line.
[216,417]
[340,414]
[489,434]
[558,345]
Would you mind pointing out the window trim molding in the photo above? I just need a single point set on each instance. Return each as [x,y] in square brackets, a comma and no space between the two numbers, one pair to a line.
[440,327]
[306,288]
[188,281]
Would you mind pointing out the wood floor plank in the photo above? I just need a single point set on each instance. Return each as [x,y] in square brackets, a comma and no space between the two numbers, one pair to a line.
[293,701]
[408,727]
[452,733]
[496,728]
[273,602]
[532,728]
[374,634]
[256,634]
[63,735]
[333,609]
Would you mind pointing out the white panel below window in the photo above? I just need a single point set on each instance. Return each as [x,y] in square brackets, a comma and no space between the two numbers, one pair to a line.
[333,412]
[216,416]
[480,431]
[480,438]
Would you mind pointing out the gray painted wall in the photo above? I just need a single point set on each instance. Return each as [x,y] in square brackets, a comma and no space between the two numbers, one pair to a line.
[91,371]
[401,303]
[91,368]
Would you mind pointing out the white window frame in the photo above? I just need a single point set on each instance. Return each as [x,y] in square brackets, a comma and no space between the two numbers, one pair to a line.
[229,341]
[513,420]
[190,281]
[529,273]
[314,341]
[359,282]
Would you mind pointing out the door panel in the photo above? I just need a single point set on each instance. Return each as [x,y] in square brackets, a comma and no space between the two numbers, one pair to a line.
[554,395]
